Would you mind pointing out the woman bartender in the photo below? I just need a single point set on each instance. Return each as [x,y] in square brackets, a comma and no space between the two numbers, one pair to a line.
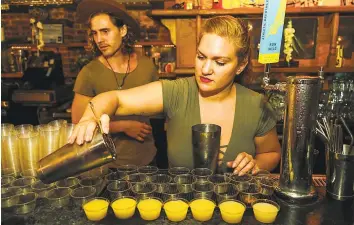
[247,121]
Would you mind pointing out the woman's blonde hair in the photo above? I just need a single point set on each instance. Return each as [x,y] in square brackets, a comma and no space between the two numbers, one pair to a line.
[234,29]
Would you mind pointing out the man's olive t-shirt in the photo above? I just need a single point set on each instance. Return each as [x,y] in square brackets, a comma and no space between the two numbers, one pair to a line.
[95,78]
[254,117]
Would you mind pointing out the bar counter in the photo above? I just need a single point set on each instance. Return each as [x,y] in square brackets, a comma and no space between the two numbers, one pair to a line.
[324,211]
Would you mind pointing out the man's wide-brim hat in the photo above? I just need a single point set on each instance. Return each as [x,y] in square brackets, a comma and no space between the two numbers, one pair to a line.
[86,8]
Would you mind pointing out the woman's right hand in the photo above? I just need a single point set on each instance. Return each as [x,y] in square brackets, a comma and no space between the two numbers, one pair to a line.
[84,130]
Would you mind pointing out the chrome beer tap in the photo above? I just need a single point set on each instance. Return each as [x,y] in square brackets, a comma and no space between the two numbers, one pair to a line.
[301,99]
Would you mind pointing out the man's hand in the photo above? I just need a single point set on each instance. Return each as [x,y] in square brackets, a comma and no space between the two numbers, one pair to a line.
[137,130]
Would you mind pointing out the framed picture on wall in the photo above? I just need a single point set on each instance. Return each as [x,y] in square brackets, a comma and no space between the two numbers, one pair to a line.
[53,33]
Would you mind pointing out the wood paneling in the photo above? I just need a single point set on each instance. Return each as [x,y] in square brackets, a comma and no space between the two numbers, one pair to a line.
[186,42]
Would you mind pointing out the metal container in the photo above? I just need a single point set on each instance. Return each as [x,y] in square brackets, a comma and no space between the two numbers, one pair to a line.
[339,174]
[302,96]
[73,159]
[206,145]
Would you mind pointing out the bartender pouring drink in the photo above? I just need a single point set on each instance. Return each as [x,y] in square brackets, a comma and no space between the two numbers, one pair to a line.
[248,140]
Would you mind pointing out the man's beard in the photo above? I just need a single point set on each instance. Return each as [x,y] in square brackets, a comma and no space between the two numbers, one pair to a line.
[109,55]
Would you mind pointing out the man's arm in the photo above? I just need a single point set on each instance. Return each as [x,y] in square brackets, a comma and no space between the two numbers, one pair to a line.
[78,107]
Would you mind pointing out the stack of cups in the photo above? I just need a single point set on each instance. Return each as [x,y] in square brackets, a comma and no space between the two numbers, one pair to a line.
[65,130]
[10,160]
[29,152]
[49,139]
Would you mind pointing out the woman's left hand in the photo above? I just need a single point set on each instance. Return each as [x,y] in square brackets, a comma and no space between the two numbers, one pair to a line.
[244,163]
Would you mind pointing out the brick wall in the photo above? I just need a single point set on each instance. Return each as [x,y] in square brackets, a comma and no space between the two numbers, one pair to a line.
[17,29]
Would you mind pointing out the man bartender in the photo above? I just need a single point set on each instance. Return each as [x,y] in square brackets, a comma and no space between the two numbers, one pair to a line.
[112,32]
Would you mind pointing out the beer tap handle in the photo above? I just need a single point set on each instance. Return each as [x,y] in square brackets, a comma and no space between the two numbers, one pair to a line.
[266,80]
[321,73]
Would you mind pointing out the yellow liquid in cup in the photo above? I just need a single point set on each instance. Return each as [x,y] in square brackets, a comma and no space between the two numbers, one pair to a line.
[265,212]
[124,208]
[232,212]
[149,209]
[202,209]
[96,209]
[176,211]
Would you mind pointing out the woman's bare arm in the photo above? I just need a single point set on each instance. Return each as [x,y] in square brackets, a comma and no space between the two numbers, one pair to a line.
[142,100]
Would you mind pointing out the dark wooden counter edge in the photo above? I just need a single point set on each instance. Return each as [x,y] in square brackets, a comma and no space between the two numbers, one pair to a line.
[324,211]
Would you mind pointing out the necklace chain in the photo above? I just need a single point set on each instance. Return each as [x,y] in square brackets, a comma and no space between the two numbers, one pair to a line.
[119,87]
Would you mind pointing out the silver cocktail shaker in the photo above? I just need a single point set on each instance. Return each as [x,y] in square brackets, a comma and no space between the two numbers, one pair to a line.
[206,145]
[73,159]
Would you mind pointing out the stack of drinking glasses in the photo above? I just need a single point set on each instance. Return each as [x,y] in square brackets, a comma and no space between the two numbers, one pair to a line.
[24,145]
[338,101]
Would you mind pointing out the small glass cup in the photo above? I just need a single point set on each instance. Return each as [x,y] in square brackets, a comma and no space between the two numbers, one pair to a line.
[70,182]
[10,172]
[241,181]
[82,195]
[251,194]
[159,180]
[26,203]
[232,210]
[202,209]
[41,188]
[225,191]
[143,190]
[262,174]
[96,209]
[29,173]
[6,181]
[176,209]
[114,176]
[23,183]
[267,186]
[170,191]
[128,169]
[174,171]
[203,189]
[7,200]
[95,182]
[119,188]
[202,174]
[124,207]
[265,210]
[218,178]
[59,197]
[136,177]
[148,170]
[150,208]
[184,182]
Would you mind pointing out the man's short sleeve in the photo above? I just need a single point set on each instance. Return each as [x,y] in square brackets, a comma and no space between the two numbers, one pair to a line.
[83,83]
[267,120]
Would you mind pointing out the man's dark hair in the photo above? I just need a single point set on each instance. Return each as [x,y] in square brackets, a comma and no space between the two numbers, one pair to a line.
[127,41]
